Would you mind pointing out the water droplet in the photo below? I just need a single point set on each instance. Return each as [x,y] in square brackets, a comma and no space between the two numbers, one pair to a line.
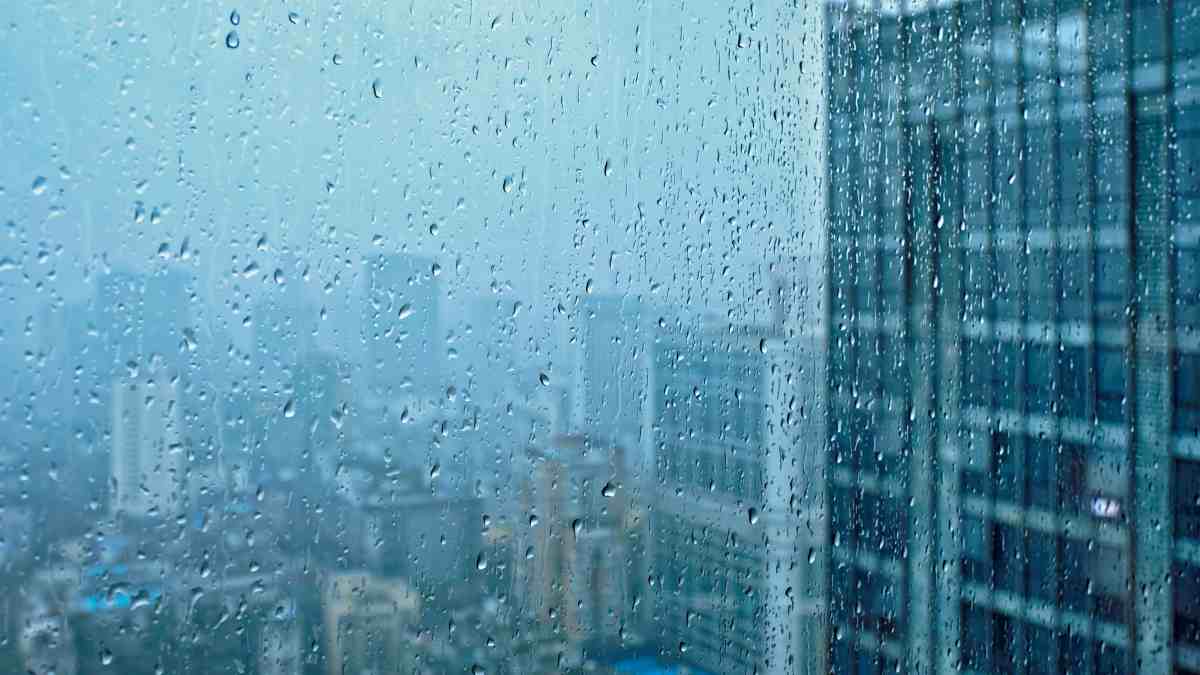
[406,311]
[544,379]
[106,656]
[235,18]
[589,286]
[507,185]
[435,471]
[595,60]
[289,408]
[337,59]
[577,526]
[294,17]
[609,489]
[481,562]
[232,40]
[377,88]
[607,168]
[39,185]
[189,340]
[752,515]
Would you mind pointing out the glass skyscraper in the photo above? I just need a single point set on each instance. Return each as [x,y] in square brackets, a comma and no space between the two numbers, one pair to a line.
[1014,377]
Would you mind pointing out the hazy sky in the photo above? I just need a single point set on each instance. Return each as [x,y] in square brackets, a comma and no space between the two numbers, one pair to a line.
[342,129]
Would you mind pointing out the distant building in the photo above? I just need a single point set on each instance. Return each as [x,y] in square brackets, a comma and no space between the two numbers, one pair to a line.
[285,322]
[573,563]
[487,347]
[368,623]
[47,645]
[430,541]
[401,325]
[612,369]
[323,406]
[148,456]
[738,526]
[248,621]
[139,316]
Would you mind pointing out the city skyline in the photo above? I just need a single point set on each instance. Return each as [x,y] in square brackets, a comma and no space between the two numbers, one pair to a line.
[767,337]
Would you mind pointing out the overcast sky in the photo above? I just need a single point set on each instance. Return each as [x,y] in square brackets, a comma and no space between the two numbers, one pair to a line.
[343,129]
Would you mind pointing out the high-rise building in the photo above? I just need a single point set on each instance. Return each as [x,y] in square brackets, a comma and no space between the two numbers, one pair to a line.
[401,324]
[148,454]
[139,316]
[612,367]
[737,530]
[575,574]
[1013,353]
[486,347]
[285,321]
[323,406]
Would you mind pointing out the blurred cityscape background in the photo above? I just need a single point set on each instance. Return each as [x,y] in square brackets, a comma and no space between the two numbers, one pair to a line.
[850,337]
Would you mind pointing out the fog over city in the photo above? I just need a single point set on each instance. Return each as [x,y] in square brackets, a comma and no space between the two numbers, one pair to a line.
[599,336]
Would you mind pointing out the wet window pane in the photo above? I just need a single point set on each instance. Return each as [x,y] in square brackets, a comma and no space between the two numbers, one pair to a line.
[757,337]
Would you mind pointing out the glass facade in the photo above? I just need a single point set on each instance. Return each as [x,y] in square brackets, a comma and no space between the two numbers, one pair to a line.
[1019,170]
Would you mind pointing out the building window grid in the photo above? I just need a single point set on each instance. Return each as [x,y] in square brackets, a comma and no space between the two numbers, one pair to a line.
[1102,392]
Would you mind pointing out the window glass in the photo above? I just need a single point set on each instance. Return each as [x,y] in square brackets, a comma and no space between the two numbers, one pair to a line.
[608,336]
